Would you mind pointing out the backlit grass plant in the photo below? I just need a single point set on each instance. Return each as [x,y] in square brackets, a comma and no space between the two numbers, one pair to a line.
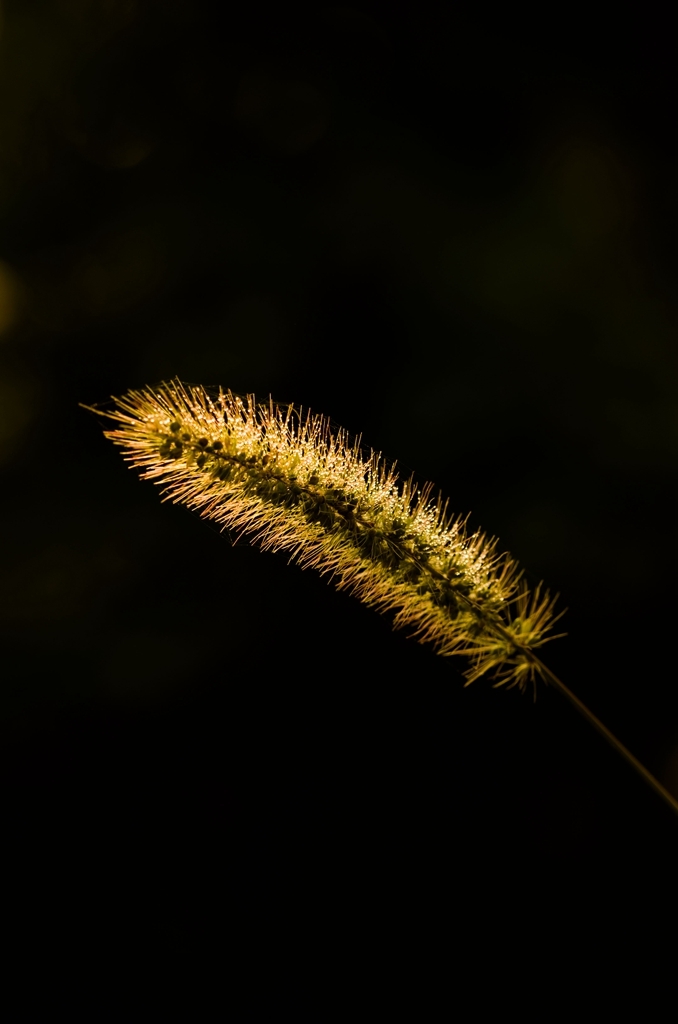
[284,480]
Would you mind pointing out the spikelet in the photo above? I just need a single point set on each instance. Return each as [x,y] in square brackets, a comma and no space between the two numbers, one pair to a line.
[287,483]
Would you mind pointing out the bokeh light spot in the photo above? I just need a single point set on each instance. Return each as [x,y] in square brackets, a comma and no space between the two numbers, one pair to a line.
[10,294]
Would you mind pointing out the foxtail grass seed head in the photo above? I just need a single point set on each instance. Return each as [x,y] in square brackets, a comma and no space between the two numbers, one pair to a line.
[284,480]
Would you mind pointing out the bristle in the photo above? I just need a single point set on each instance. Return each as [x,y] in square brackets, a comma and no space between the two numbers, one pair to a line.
[288,483]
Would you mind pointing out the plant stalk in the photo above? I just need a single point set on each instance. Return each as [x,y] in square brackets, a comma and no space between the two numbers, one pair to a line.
[655,784]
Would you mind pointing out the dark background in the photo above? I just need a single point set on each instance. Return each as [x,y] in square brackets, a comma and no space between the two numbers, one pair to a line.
[449,230]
